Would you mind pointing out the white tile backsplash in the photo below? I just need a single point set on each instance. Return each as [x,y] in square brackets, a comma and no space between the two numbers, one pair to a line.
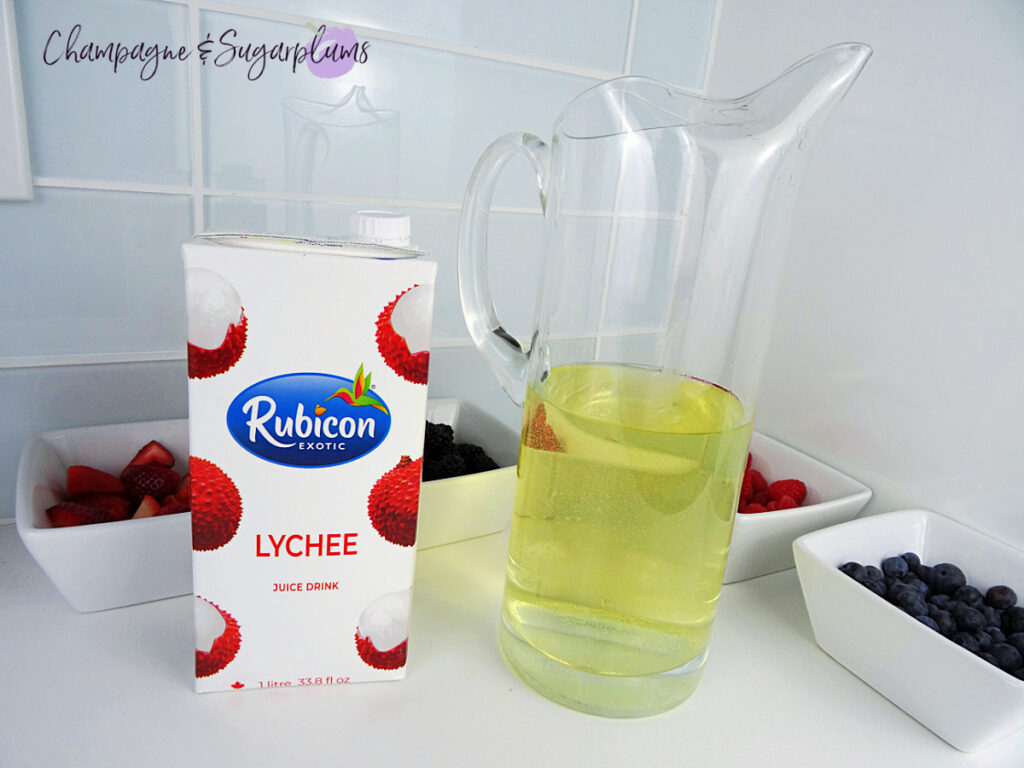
[579,33]
[87,121]
[514,254]
[89,271]
[427,116]
[672,41]
[897,352]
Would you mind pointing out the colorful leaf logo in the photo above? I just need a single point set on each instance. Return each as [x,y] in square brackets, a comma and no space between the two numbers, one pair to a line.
[360,393]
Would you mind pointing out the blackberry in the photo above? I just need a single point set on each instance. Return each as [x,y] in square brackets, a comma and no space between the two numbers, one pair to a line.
[448,465]
[476,458]
[437,440]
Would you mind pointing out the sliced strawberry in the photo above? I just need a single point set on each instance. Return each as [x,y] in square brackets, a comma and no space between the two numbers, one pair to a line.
[153,453]
[82,479]
[184,492]
[148,507]
[149,480]
[172,506]
[115,505]
[69,513]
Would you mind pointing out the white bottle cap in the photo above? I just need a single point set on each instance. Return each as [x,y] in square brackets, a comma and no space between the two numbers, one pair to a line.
[380,227]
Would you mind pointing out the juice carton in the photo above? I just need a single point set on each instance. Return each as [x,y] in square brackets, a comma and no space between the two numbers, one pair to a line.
[307,396]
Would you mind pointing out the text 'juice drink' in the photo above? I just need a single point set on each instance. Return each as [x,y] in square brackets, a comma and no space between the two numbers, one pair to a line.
[307,400]
[628,482]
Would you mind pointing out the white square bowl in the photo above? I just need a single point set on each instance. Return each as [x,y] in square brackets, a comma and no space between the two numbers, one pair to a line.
[109,565]
[104,565]
[762,543]
[465,507]
[960,697]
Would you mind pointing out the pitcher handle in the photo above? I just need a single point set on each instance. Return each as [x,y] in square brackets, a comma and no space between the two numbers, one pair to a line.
[506,356]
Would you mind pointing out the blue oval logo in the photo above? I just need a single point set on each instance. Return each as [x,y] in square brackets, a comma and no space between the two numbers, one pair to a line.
[309,419]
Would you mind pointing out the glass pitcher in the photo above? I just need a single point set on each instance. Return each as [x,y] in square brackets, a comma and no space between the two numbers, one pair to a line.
[665,216]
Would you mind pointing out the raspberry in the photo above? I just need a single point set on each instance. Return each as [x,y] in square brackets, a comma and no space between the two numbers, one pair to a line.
[786,502]
[760,484]
[795,489]
[753,509]
[747,487]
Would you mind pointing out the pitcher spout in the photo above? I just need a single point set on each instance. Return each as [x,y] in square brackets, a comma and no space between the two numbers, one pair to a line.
[803,95]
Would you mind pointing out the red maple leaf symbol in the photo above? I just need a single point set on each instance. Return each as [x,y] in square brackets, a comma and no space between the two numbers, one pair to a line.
[236,685]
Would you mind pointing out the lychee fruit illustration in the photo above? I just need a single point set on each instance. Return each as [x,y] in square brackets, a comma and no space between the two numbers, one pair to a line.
[394,502]
[216,324]
[382,636]
[218,637]
[216,505]
[403,333]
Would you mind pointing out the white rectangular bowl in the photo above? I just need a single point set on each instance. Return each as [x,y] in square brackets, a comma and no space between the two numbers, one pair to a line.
[762,543]
[109,565]
[104,565]
[960,697]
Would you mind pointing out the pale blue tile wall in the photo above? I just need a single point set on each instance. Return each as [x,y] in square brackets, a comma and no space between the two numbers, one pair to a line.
[126,168]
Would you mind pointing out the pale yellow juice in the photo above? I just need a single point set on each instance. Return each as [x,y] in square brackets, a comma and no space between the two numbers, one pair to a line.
[627,490]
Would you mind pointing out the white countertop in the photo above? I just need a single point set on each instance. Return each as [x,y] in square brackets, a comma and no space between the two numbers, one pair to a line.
[115,689]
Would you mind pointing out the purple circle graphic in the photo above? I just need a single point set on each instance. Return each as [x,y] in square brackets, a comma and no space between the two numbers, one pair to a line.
[332,54]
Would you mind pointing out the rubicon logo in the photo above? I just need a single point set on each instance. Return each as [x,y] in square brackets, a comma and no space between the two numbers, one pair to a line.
[309,419]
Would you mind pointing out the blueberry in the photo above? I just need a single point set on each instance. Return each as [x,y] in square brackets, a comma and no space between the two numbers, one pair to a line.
[947,578]
[1018,673]
[969,595]
[924,573]
[996,634]
[894,566]
[1001,597]
[912,560]
[993,617]
[966,640]
[1007,657]
[909,600]
[967,618]
[928,621]
[940,601]
[984,639]
[988,657]
[1016,640]
[1013,620]
[878,587]
[915,583]
[946,622]
[852,569]
[872,573]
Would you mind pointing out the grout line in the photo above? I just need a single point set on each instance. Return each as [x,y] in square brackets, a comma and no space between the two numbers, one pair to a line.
[88,358]
[113,186]
[196,124]
[260,194]
[407,39]
[631,39]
